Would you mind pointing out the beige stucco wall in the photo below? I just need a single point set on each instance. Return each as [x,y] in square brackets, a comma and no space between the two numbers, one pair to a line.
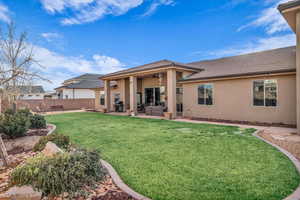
[97,98]
[233,101]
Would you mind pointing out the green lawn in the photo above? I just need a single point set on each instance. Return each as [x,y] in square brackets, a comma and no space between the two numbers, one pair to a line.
[167,160]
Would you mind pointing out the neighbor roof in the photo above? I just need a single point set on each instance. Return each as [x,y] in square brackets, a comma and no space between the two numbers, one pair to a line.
[289,4]
[86,76]
[150,66]
[26,89]
[84,81]
[85,84]
[265,62]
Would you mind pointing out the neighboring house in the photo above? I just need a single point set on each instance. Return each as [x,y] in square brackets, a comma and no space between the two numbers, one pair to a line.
[81,87]
[51,95]
[258,87]
[31,92]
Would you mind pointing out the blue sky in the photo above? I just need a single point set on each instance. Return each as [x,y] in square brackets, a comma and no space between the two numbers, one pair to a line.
[72,37]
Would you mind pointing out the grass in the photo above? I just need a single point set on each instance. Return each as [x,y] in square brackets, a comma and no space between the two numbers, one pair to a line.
[168,160]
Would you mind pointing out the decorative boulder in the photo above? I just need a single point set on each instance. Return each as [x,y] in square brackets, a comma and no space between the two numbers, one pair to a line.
[51,149]
[21,193]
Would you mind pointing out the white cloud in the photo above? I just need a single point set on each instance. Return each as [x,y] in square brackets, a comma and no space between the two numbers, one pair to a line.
[270,19]
[260,44]
[51,36]
[85,11]
[58,67]
[4,13]
[156,4]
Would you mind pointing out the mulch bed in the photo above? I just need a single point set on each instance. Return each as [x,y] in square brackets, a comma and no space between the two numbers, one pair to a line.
[105,190]
[291,146]
[33,132]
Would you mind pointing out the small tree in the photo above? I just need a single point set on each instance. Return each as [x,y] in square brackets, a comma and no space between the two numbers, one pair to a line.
[18,67]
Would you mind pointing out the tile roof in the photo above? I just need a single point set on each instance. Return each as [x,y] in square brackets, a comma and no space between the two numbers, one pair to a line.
[271,61]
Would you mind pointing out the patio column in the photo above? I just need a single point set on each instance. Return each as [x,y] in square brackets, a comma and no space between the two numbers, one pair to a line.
[298,70]
[133,90]
[107,95]
[171,87]
[123,93]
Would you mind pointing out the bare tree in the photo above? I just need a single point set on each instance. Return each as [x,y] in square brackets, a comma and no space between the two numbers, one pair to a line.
[18,67]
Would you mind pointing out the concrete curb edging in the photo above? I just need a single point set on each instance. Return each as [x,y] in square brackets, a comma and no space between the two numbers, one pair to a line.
[118,181]
[52,129]
[296,194]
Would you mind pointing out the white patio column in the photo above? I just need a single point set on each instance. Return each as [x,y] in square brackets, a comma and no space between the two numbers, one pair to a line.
[107,95]
[133,90]
[123,92]
[171,87]
[298,70]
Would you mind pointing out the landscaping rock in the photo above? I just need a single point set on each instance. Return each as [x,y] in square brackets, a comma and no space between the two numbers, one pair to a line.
[21,193]
[51,149]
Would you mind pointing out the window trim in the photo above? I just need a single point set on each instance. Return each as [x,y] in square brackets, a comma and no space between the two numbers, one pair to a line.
[213,94]
[264,106]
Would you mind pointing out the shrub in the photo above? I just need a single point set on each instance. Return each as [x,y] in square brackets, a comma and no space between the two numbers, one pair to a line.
[60,140]
[25,112]
[37,121]
[14,124]
[66,172]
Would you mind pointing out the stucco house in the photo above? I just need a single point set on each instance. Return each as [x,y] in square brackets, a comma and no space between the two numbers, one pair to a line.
[260,87]
[80,87]
[31,92]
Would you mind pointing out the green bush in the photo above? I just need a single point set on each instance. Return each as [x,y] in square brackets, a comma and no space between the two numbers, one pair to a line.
[60,140]
[66,172]
[25,112]
[37,121]
[14,124]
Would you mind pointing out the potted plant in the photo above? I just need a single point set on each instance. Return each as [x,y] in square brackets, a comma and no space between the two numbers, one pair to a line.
[168,115]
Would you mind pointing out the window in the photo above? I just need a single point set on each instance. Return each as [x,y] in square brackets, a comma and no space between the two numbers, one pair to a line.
[153,96]
[205,94]
[179,93]
[117,98]
[265,93]
[102,98]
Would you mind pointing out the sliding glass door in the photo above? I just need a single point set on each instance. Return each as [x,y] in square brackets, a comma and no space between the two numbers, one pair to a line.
[152,96]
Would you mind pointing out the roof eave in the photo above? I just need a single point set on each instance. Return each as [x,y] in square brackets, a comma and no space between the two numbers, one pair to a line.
[174,65]
[288,5]
[237,75]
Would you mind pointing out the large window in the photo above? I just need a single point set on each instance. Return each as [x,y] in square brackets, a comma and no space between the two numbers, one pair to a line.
[154,96]
[265,93]
[205,94]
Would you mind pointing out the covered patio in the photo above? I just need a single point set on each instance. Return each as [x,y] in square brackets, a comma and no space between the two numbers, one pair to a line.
[151,89]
